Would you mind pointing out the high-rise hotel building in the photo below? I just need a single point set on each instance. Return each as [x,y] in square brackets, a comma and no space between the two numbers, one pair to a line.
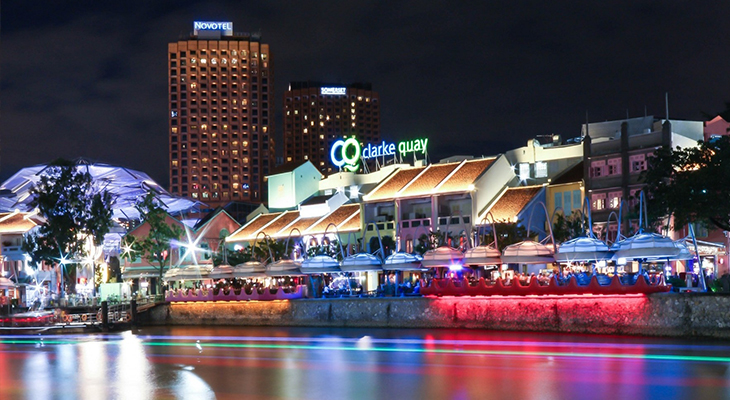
[317,114]
[221,115]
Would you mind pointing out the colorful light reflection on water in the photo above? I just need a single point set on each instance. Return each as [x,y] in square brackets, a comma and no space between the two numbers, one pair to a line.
[298,363]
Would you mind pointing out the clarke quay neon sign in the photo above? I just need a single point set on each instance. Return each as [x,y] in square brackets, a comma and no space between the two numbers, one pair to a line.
[336,91]
[347,153]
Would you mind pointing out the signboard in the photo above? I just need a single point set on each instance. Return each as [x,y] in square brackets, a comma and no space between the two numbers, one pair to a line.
[347,153]
[225,27]
[335,91]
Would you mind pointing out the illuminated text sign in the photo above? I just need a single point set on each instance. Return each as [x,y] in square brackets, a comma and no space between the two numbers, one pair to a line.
[347,153]
[338,91]
[226,27]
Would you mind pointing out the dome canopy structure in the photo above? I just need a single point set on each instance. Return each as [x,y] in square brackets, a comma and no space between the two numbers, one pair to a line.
[583,249]
[442,256]
[645,246]
[361,262]
[528,252]
[482,255]
[126,187]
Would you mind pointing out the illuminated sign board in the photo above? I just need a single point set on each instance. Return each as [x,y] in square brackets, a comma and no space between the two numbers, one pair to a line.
[337,91]
[225,27]
[347,153]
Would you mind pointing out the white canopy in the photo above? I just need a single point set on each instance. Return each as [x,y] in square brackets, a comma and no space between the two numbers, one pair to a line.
[483,255]
[583,249]
[320,264]
[442,256]
[402,261]
[528,252]
[645,246]
[361,262]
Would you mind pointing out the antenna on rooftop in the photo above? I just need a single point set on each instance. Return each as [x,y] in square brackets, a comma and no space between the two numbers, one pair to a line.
[666,104]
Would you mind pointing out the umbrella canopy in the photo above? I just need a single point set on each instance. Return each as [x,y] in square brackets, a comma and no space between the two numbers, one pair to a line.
[222,272]
[402,261]
[283,268]
[442,256]
[645,246]
[583,249]
[190,273]
[483,255]
[361,262]
[528,252]
[249,269]
[320,264]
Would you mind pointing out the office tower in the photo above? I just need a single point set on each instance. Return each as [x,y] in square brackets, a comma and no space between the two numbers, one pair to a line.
[317,114]
[221,115]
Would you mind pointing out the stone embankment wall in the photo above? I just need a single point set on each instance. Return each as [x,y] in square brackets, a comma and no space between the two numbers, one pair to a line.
[654,315]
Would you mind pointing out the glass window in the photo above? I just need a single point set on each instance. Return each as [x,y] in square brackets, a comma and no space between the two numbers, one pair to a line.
[568,204]
[577,200]
[558,200]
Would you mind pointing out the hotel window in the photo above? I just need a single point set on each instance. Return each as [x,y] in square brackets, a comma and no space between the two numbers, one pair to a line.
[638,162]
[614,199]
[598,201]
[598,168]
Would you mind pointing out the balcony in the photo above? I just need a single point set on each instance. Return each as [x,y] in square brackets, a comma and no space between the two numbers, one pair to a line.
[13,253]
[458,221]
[415,223]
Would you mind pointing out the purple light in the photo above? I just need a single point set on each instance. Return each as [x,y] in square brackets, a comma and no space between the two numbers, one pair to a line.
[455,267]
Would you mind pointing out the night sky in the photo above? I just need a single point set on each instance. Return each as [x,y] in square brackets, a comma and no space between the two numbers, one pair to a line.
[88,78]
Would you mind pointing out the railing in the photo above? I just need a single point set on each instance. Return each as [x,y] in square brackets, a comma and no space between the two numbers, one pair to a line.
[187,295]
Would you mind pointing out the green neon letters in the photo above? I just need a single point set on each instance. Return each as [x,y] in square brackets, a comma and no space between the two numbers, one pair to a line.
[347,153]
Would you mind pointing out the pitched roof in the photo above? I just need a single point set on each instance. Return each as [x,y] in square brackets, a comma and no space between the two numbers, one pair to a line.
[467,173]
[18,222]
[392,185]
[253,226]
[512,202]
[301,224]
[286,218]
[428,179]
[337,217]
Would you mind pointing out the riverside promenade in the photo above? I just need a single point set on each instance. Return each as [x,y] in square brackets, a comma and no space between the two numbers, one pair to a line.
[664,314]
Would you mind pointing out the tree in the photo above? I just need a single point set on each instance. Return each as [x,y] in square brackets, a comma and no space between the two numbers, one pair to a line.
[692,184]
[75,213]
[570,227]
[154,247]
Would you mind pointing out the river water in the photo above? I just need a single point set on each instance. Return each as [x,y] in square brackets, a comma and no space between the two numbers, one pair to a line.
[313,363]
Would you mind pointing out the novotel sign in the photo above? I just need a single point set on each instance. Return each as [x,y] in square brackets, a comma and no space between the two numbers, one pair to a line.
[226,27]
[348,153]
[337,91]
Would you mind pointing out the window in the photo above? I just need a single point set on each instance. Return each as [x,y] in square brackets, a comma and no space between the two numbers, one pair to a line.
[614,199]
[524,171]
[614,166]
[567,204]
[577,200]
[598,168]
[541,170]
[598,201]
[559,200]
[637,162]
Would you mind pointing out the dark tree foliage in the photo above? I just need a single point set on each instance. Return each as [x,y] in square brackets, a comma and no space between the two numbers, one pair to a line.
[570,227]
[155,247]
[692,184]
[725,114]
[74,212]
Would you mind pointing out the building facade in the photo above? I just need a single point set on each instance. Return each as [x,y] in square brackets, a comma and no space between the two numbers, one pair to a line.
[317,114]
[221,117]
[616,153]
